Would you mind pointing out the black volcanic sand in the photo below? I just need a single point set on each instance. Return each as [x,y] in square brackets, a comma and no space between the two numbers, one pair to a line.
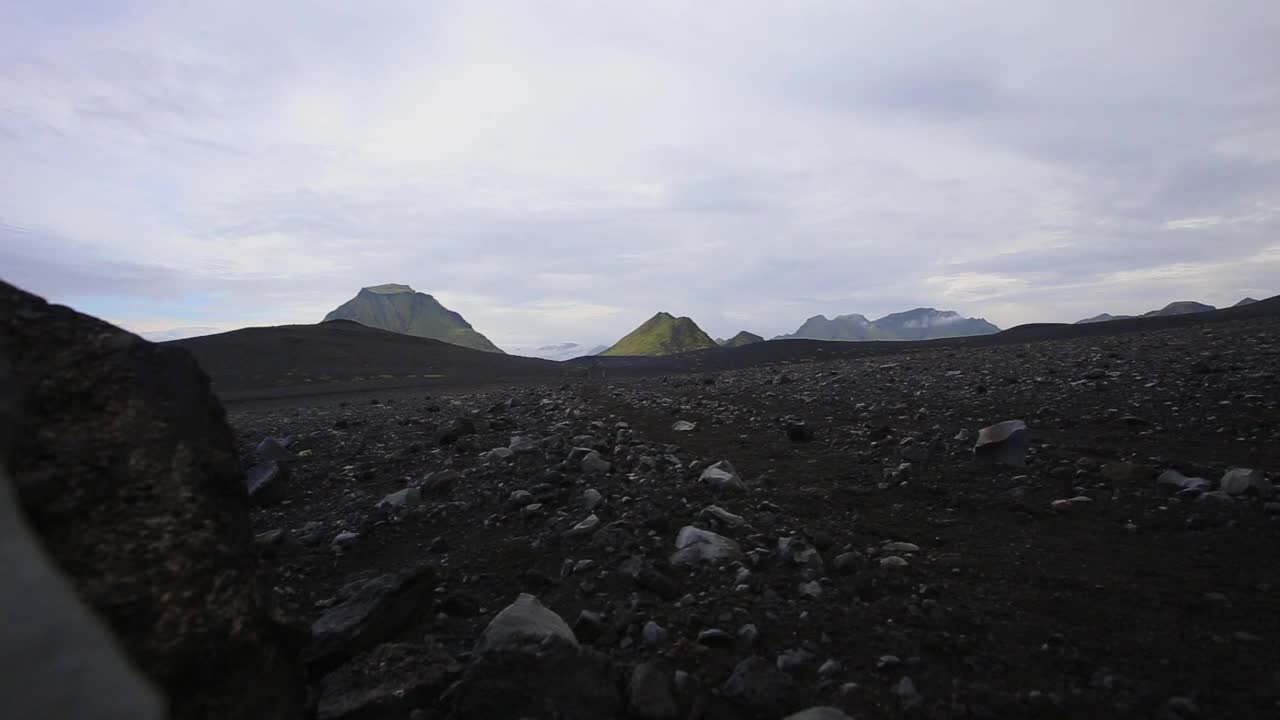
[1130,604]
[341,356]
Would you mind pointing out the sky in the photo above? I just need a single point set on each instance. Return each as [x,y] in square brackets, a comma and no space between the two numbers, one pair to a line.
[560,171]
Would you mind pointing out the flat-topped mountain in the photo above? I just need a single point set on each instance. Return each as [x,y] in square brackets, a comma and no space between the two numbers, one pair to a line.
[399,308]
[663,334]
[1184,307]
[742,338]
[918,324]
[930,324]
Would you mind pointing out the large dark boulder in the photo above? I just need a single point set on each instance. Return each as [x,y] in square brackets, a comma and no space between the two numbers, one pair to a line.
[127,472]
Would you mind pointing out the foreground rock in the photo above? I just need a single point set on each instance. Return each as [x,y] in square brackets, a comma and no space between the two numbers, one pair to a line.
[524,622]
[375,611]
[60,660]
[110,420]
[695,545]
[1004,443]
[529,664]
[390,681]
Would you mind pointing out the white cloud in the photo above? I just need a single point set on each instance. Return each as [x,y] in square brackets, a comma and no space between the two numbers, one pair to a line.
[560,171]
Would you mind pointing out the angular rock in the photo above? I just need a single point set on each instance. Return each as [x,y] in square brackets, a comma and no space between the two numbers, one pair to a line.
[523,623]
[593,462]
[389,681]
[440,482]
[587,526]
[723,516]
[1239,481]
[265,482]
[722,477]
[695,545]
[652,634]
[650,695]
[497,455]
[557,680]
[645,576]
[1172,481]
[1004,443]
[523,445]
[759,689]
[454,430]
[128,473]
[798,431]
[273,450]
[376,610]
[408,497]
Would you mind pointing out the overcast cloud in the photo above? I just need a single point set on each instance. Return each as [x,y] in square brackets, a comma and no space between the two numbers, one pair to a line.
[562,170]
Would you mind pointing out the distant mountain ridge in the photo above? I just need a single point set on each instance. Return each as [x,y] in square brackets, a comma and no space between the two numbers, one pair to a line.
[917,324]
[401,309]
[560,351]
[663,334]
[1182,307]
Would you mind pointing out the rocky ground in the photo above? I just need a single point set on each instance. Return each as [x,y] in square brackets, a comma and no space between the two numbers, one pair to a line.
[750,543]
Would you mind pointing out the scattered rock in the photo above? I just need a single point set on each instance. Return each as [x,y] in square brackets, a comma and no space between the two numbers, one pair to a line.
[650,695]
[683,426]
[524,622]
[389,681]
[375,611]
[274,450]
[265,482]
[408,497]
[906,692]
[1172,481]
[694,545]
[1239,481]
[1004,443]
[722,477]
[759,688]
[440,482]
[722,516]
[455,430]
[798,431]
[593,462]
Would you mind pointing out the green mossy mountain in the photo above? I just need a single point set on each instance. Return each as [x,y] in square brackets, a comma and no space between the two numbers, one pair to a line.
[742,338]
[400,309]
[663,334]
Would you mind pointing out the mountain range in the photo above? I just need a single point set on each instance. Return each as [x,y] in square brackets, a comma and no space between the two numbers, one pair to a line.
[663,334]
[560,351]
[742,338]
[399,308]
[918,324]
[1183,307]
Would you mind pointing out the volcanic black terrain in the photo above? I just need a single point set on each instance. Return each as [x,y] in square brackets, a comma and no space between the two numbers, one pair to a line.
[856,550]
[1053,521]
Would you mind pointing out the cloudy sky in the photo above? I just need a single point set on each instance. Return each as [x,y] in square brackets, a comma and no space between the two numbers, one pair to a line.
[562,170]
